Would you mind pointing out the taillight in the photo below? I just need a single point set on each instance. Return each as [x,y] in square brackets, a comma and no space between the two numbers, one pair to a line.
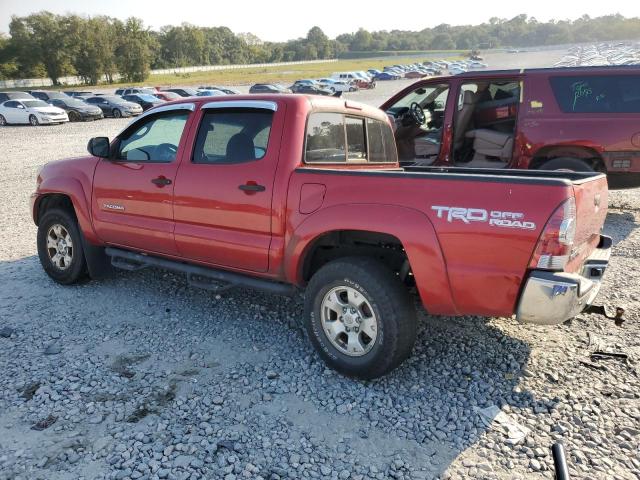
[556,241]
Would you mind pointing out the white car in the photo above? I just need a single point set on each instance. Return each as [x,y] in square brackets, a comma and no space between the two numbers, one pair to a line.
[34,112]
[337,85]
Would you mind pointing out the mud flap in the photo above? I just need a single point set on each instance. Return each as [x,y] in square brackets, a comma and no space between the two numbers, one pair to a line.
[98,262]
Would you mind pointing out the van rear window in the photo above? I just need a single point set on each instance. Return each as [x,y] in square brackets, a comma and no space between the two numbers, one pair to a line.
[597,93]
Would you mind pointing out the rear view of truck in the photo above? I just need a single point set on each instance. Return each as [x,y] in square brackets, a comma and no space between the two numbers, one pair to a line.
[570,257]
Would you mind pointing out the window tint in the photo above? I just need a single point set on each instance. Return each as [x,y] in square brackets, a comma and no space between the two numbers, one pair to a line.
[356,133]
[382,147]
[233,136]
[325,138]
[155,139]
[597,94]
[11,104]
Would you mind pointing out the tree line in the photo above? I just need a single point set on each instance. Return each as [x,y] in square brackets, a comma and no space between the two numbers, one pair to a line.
[95,48]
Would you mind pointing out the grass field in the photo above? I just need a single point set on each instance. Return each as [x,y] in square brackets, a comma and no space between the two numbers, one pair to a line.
[283,74]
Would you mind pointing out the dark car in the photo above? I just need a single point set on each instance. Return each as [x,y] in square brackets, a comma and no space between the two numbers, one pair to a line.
[183,92]
[313,90]
[47,95]
[77,110]
[4,96]
[79,93]
[268,88]
[114,106]
[387,76]
[146,101]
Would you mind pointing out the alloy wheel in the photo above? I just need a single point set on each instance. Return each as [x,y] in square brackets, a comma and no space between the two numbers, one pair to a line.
[59,246]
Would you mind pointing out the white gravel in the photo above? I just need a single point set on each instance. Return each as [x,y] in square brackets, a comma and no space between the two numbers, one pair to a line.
[154,379]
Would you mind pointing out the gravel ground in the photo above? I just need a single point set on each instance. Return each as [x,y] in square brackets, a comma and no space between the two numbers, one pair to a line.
[142,377]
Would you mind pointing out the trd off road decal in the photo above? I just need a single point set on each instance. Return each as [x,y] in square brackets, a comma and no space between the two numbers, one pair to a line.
[495,218]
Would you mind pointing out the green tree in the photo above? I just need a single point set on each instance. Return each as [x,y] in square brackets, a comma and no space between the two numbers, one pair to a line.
[134,50]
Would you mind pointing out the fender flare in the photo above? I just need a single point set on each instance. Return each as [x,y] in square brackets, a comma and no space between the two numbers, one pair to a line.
[72,188]
[412,227]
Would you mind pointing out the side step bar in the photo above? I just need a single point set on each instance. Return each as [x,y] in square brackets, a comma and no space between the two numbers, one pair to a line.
[198,276]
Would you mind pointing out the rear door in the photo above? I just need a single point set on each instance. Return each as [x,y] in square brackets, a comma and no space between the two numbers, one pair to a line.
[132,201]
[224,188]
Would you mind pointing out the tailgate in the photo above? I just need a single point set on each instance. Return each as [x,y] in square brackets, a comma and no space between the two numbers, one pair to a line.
[591,196]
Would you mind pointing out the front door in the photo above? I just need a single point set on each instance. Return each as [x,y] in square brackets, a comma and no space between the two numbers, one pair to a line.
[132,202]
[16,112]
[224,188]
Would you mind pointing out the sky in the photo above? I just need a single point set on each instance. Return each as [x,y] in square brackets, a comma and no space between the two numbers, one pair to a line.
[278,20]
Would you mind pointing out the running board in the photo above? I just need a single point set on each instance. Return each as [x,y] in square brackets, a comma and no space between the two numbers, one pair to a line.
[198,276]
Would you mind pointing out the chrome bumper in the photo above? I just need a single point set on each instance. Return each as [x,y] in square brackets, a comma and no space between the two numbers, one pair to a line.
[550,298]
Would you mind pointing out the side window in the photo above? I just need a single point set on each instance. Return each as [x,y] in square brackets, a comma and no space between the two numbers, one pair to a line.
[597,94]
[356,143]
[325,139]
[155,139]
[382,146]
[11,104]
[233,135]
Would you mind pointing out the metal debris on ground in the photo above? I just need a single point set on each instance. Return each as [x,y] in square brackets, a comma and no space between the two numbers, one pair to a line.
[45,423]
[495,418]
[618,317]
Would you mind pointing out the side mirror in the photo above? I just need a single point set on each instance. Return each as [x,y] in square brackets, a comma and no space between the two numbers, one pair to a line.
[99,147]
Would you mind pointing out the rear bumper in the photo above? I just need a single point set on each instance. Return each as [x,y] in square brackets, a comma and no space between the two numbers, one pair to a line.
[550,298]
[620,180]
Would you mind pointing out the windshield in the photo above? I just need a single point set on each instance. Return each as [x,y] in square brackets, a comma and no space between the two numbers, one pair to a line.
[190,91]
[74,103]
[112,98]
[422,96]
[147,98]
[35,103]
[170,95]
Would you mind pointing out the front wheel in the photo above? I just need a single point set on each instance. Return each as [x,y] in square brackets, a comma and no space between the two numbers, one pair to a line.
[33,120]
[360,317]
[60,247]
[74,116]
[3,121]
[117,113]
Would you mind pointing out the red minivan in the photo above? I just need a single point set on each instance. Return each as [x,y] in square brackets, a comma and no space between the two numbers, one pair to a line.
[580,119]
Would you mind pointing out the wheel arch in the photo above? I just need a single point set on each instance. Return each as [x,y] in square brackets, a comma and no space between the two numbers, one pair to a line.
[366,229]
[589,154]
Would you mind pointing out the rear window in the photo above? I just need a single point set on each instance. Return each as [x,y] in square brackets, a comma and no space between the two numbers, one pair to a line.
[336,138]
[597,93]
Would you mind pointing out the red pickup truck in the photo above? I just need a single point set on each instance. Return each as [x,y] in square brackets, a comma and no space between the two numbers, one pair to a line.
[289,192]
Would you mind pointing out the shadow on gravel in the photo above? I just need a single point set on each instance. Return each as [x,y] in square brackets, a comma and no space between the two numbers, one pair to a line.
[421,416]
[619,225]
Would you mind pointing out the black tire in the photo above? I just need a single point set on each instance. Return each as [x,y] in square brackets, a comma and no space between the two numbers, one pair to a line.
[33,120]
[77,268]
[566,163]
[116,113]
[390,302]
[3,121]
[74,116]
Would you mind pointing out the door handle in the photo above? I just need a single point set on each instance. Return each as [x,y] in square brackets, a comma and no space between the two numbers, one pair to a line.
[161,181]
[250,187]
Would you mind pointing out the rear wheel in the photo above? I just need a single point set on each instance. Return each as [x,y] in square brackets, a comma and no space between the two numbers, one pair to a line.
[567,163]
[360,317]
[117,113]
[33,120]
[60,247]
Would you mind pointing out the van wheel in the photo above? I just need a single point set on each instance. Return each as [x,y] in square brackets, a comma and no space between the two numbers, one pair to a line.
[117,113]
[360,318]
[60,247]
[566,163]
[33,120]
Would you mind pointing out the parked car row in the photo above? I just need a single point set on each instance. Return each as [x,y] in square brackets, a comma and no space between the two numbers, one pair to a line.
[601,54]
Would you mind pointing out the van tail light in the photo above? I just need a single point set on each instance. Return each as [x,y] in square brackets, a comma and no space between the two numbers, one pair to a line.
[556,241]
